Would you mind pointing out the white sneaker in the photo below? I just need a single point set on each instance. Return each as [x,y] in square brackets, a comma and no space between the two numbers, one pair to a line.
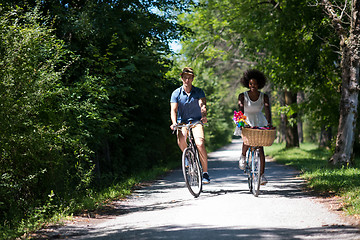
[263,180]
[242,162]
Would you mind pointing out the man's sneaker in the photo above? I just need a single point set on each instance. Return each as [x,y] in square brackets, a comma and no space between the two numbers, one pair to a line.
[242,162]
[263,180]
[206,178]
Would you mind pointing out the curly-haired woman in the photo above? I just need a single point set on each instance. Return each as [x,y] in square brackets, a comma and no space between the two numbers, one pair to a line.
[251,103]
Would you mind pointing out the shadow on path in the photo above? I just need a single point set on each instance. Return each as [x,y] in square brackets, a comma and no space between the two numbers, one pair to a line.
[211,232]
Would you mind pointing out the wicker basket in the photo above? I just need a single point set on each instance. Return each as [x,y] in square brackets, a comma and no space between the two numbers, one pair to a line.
[257,137]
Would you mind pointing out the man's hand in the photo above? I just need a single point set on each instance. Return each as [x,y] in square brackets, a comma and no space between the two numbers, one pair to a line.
[172,126]
[204,120]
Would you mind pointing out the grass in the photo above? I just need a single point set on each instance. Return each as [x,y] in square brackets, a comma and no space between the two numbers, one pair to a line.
[94,201]
[322,177]
[310,160]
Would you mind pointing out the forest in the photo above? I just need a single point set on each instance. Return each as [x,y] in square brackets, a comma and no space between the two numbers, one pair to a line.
[86,84]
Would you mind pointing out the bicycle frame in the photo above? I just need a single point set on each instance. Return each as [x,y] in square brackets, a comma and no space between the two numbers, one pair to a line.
[190,137]
[192,145]
[192,168]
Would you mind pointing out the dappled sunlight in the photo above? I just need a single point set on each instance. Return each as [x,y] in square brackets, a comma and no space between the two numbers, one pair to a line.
[188,231]
[164,209]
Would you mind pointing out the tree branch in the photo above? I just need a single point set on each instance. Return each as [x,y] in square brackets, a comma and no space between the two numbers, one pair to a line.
[336,21]
[274,3]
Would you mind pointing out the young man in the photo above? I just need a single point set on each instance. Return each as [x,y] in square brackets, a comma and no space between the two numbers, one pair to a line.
[188,103]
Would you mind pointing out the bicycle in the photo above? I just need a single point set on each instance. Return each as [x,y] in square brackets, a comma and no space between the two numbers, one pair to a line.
[253,168]
[255,139]
[191,166]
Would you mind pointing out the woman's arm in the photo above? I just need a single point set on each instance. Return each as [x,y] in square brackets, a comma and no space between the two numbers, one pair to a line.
[241,102]
[267,108]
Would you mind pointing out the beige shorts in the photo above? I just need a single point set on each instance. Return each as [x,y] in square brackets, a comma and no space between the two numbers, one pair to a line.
[198,131]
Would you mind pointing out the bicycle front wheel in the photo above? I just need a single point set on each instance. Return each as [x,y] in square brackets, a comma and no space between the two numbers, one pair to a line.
[255,171]
[192,172]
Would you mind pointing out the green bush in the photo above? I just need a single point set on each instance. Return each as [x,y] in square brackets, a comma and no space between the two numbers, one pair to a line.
[39,155]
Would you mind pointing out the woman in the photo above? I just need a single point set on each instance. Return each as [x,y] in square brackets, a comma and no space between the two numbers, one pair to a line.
[251,103]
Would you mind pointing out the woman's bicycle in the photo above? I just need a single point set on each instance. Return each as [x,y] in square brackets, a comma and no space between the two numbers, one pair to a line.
[252,168]
[255,138]
[191,165]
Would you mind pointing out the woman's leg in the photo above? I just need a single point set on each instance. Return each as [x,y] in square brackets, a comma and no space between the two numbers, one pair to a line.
[262,159]
[242,161]
[244,149]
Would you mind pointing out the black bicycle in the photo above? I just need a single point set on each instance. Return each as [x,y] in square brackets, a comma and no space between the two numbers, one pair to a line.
[191,165]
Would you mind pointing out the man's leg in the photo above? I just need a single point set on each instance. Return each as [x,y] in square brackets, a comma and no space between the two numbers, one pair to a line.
[200,143]
[181,139]
[199,136]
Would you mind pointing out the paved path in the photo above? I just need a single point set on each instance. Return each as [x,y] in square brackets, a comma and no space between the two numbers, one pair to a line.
[225,210]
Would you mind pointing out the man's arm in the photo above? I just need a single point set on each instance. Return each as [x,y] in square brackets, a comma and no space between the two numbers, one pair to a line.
[173,114]
[202,104]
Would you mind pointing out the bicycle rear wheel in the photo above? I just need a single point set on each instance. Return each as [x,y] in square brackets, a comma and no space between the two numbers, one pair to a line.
[255,171]
[192,172]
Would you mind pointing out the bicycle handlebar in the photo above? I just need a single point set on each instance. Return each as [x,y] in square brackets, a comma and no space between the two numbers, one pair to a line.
[188,125]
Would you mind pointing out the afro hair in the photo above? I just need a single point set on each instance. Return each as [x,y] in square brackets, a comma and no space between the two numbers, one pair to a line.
[253,74]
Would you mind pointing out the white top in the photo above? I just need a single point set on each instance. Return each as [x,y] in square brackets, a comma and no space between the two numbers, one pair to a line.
[253,111]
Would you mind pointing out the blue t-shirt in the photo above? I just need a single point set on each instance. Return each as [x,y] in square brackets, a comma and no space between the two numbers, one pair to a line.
[188,105]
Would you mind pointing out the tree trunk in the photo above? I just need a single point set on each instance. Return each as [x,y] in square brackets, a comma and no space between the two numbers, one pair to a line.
[291,134]
[349,91]
[325,137]
[282,127]
[299,99]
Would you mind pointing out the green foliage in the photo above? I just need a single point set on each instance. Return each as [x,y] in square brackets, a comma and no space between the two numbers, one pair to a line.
[212,51]
[85,101]
[119,85]
[320,176]
[307,158]
[291,41]
[295,47]
[39,156]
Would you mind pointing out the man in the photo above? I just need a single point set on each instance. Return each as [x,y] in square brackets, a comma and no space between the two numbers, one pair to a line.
[188,103]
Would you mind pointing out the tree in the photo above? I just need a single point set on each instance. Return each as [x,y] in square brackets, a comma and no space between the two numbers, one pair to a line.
[291,133]
[82,84]
[288,40]
[215,54]
[350,46]
[120,80]
[39,155]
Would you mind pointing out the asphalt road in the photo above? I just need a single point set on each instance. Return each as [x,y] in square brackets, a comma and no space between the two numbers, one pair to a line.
[225,209]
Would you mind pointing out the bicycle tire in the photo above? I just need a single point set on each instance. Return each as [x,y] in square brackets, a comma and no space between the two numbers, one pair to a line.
[192,172]
[250,183]
[255,171]
[248,170]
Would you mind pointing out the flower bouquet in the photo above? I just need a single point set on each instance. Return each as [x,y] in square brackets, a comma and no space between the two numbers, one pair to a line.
[240,121]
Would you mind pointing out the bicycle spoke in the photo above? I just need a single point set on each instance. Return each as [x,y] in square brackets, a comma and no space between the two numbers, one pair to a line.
[192,173]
